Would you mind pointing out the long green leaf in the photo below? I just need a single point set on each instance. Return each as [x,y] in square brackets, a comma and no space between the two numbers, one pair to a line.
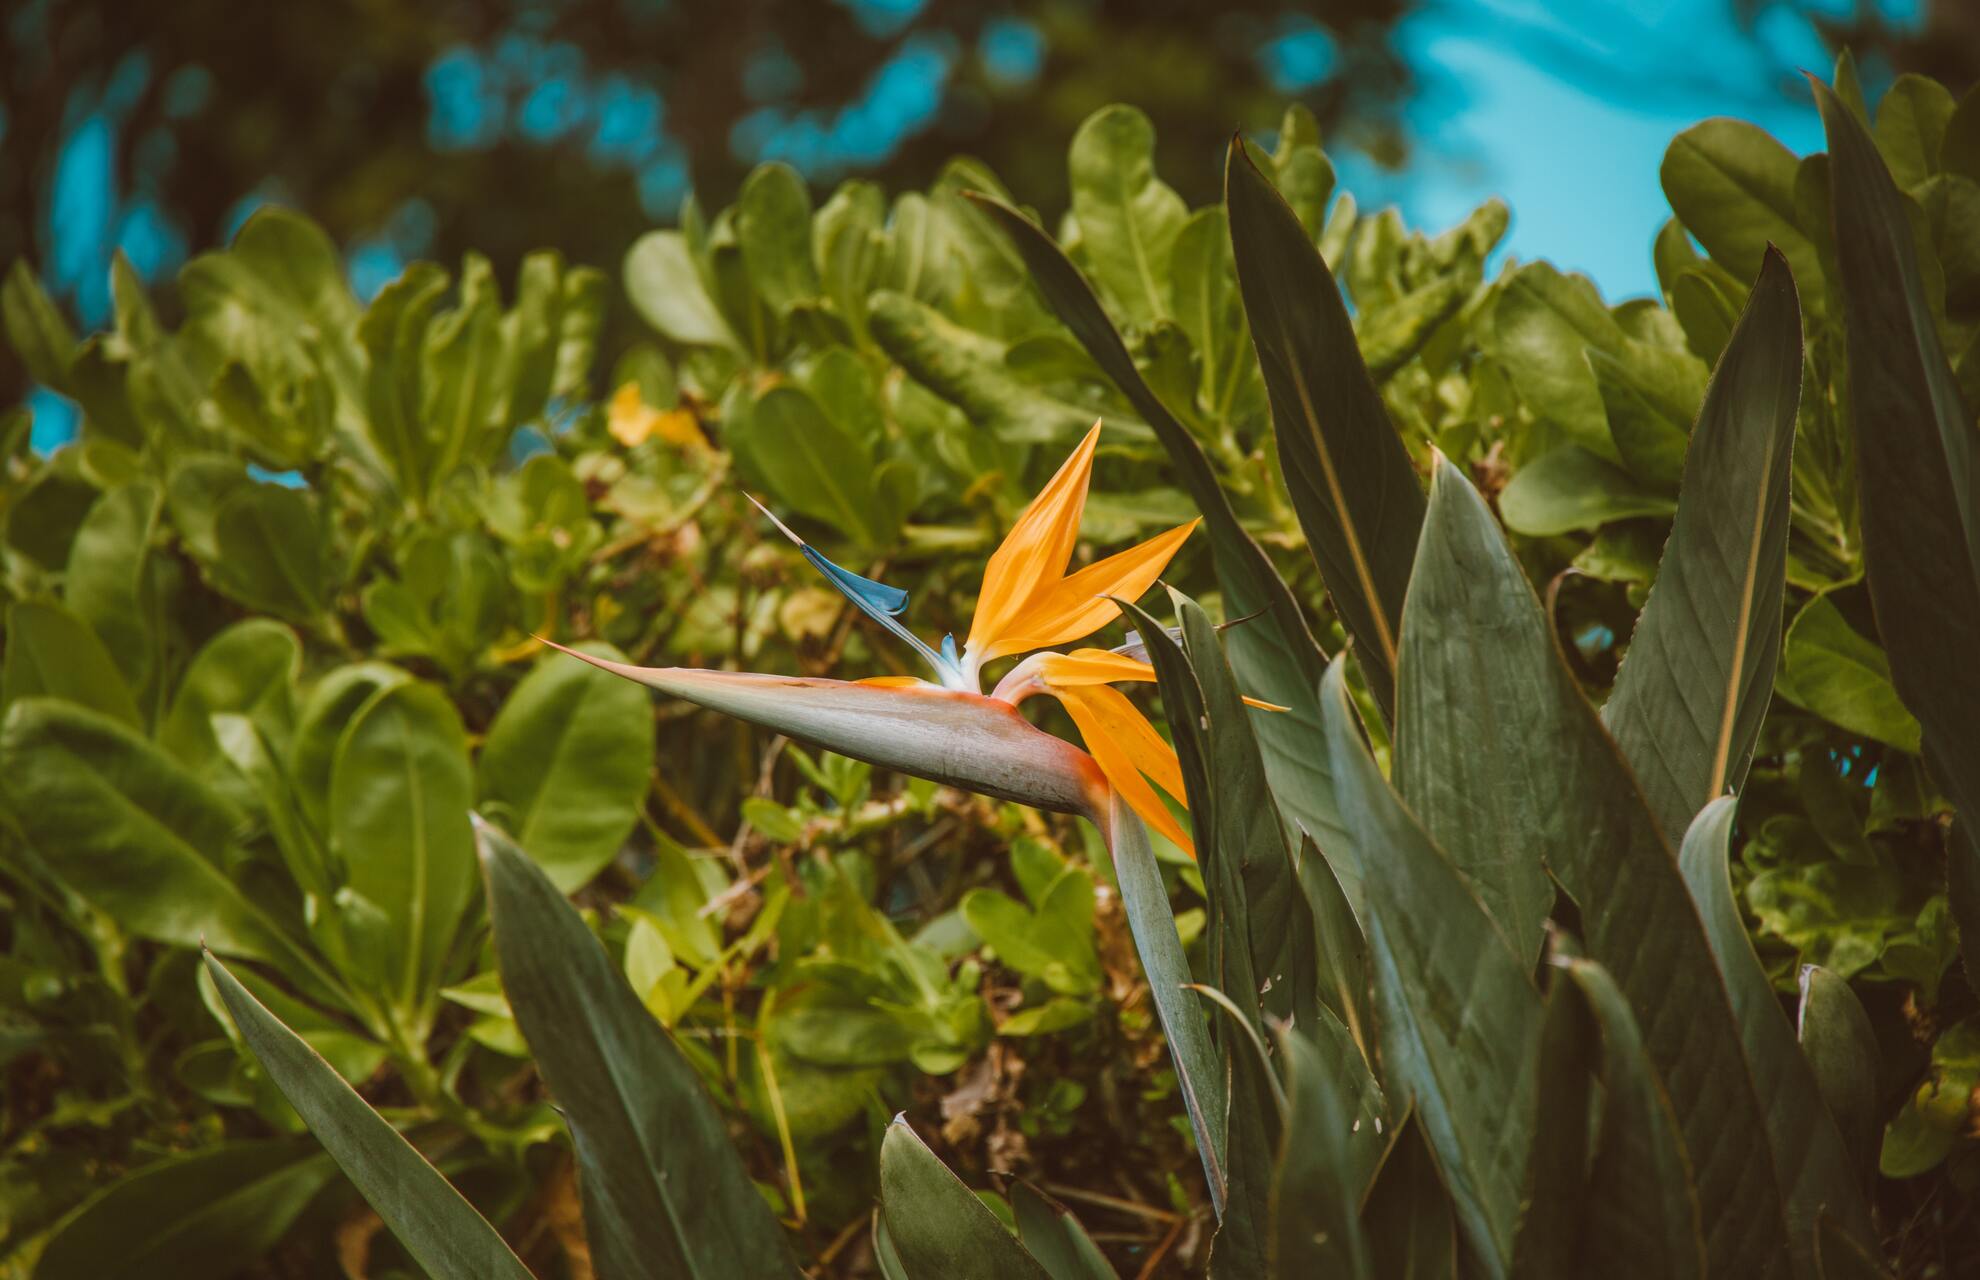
[1316,1195]
[1153,925]
[1055,1238]
[431,1219]
[1841,1047]
[1920,476]
[1810,1157]
[1240,847]
[1460,1015]
[938,1228]
[1642,1207]
[1273,653]
[1352,483]
[1550,1220]
[1695,682]
[1596,835]
[665,1195]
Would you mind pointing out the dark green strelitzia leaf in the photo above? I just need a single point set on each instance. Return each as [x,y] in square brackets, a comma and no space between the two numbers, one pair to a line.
[1810,1156]
[1641,1211]
[1551,1218]
[1316,1196]
[1841,1047]
[1595,834]
[1241,850]
[1199,1072]
[1919,469]
[1054,1237]
[1459,1012]
[209,1212]
[1273,654]
[1352,483]
[1696,680]
[664,1192]
[430,1218]
[1408,1220]
[938,1228]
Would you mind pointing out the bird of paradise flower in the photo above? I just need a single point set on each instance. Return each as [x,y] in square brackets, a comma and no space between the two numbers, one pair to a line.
[947,729]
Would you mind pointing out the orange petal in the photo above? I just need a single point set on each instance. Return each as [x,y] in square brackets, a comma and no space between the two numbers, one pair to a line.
[1078,606]
[1126,747]
[1093,666]
[892,682]
[1037,547]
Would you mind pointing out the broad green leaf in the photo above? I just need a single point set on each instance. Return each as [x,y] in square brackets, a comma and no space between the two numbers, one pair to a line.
[400,789]
[1597,838]
[1301,170]
[664,1192]
[1316,1195]
[1393,335]
[1695,681]
[1128,218]
[937,1226]
[1911,127]
[1199,1073]
[209,1212]
[1576,366]
[1916,460]
[1054,1237]
[35,328]
[1732,185]
[431,1219]
[815,467]
[449,602]
[1205,302]
[249,669]
[463,379]
[566,764]
[1642,1211]
[394,332]
[1351,479]
[1810,1155]
[1831,669]
[135,834]
[849,238]
[110,586]
[271,553]
[665,288]
[773,225]
[1273,655]
[1840,1046]
[51,653]
[1460,1016]
[968,370]
[326,712]
[1570,488]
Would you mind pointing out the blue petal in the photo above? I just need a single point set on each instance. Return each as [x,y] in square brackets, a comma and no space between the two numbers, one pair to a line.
[864,592]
